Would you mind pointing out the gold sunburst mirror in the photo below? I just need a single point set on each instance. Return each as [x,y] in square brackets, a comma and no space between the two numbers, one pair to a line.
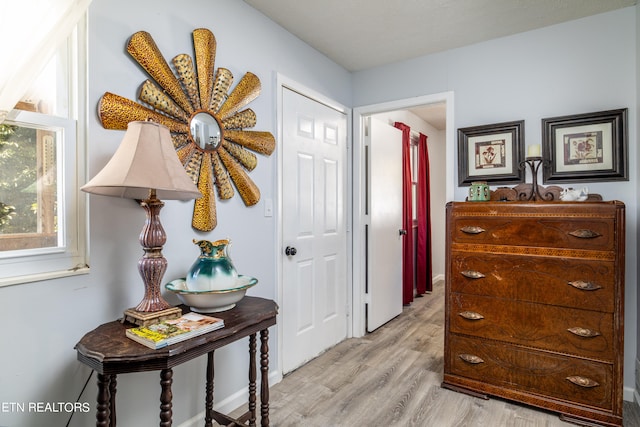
[207,122]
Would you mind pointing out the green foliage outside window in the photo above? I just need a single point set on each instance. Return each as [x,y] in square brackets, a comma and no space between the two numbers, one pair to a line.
[18,177]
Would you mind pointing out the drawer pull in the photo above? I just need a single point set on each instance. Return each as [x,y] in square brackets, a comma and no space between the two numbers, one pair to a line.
[583,381]
[471,358]
[583,332]
[471,315]
[472,229]
[584,286]
[472,274]
[583,233]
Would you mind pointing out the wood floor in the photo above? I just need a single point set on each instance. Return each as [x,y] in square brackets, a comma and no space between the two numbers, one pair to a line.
[392,377]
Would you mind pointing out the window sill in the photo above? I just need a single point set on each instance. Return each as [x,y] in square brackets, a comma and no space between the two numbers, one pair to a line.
[17,280]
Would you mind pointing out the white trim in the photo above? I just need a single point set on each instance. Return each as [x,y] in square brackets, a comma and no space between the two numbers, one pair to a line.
[29,278]
[359,115]
[71,258]
[68,256]
[281,83]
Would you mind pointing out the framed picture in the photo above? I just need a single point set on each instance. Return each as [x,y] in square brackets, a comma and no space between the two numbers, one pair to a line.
[588,147]
[491,153]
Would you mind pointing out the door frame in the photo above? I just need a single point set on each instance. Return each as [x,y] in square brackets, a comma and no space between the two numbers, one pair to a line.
[283,82]
[358,189]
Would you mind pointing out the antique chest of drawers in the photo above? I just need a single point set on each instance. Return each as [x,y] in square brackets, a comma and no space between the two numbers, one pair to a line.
[534,305]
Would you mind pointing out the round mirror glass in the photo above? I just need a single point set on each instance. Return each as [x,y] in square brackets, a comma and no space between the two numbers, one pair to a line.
[205,131]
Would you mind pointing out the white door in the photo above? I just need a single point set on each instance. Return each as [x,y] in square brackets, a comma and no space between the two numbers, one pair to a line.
[314,272]
[384,247]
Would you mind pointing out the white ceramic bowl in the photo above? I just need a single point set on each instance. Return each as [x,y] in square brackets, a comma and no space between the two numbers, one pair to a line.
[211,301]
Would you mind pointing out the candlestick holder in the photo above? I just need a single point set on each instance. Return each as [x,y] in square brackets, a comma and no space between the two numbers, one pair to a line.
[533,191]
[534,164]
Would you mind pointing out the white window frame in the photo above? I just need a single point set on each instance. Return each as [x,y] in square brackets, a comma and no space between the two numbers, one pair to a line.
[71,256]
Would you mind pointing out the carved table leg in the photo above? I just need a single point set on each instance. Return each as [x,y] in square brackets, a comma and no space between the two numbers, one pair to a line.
[113,382]
[264,386]
[208,411]
[252,380]
[166,379]
[104,401]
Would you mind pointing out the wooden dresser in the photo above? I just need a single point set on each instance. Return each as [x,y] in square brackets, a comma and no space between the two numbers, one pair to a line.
[534,305]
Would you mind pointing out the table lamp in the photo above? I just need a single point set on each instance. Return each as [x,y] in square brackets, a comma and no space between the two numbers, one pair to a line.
[145,167]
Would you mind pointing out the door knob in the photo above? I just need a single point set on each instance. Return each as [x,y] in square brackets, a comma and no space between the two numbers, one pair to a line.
[289,251]
[402,232]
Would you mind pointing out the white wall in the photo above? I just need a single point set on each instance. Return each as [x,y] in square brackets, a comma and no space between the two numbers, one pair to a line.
[582,66]
[43,321]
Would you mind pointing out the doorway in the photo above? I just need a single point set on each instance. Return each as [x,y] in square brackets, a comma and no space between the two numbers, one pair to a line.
[445,179]
[313,279]
[355,315]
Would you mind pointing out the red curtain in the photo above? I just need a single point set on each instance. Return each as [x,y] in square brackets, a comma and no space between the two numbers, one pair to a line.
[407,216]
[423,247]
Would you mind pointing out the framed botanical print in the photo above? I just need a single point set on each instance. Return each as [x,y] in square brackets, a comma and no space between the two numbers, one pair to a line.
[491,153]
[588,147]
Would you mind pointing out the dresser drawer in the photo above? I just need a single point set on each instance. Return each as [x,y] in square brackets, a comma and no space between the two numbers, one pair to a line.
[538,231]
[569,282]
[567,330]
[554,375]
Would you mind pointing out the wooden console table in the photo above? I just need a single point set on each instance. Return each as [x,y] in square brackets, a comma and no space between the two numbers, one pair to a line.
[109,352]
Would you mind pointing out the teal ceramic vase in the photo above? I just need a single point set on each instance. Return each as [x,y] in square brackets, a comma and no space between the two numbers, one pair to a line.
[213,270]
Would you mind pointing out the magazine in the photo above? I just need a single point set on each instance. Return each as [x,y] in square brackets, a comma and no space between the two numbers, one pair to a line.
[172,331]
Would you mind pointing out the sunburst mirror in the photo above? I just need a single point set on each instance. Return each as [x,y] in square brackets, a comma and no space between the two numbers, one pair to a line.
[207,122]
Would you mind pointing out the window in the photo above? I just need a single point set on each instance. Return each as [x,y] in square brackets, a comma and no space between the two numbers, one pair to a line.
[414,178]
[42,219]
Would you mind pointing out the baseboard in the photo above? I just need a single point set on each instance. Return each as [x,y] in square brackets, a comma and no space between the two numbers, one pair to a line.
[233,402]
[630,394]
[437,278]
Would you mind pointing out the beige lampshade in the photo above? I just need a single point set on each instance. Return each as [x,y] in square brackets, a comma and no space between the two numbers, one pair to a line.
[145,160]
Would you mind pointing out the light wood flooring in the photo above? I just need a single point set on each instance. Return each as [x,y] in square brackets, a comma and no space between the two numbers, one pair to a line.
[392,377]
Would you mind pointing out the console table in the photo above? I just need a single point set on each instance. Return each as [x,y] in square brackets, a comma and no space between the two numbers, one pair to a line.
[109,352]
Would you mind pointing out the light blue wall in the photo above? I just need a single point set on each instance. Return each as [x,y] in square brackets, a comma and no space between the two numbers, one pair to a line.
[582,66]
[43,321]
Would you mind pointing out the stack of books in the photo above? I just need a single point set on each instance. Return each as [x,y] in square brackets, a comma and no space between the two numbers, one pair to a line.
[173,331]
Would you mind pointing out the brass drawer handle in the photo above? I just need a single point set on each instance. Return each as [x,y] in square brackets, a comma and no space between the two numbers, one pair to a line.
[472,274]
[471,358]
[583,381]
[584,286]
[584,234]
[583,332]
[472,229]
[471,315]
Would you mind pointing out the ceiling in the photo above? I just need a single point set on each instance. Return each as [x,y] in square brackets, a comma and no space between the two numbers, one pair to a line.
[361,34]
